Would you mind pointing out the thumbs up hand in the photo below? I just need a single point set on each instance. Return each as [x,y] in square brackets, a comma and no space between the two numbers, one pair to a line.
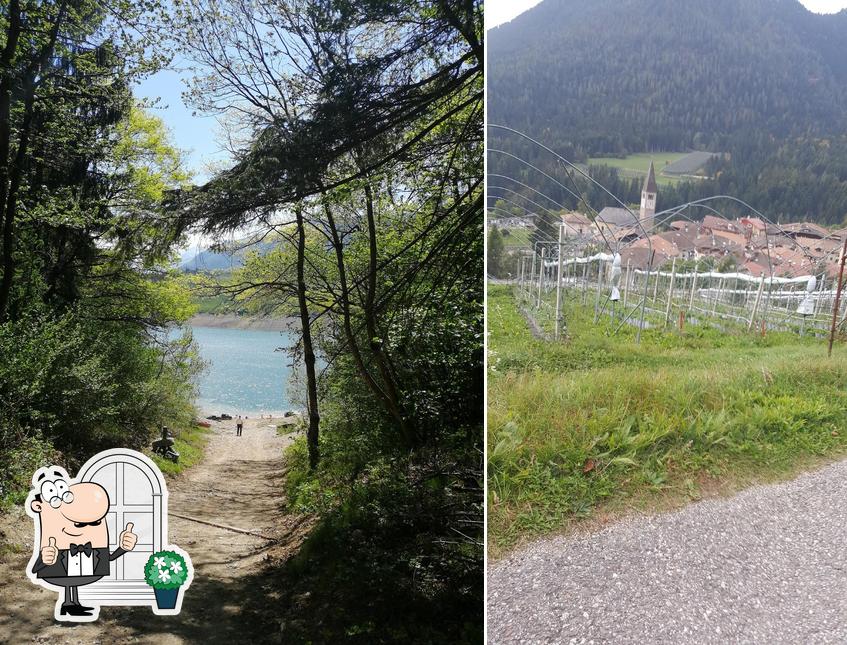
[127,538]
[49,553]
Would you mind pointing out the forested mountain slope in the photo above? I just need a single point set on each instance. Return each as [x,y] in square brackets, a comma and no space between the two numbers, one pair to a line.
[765,80]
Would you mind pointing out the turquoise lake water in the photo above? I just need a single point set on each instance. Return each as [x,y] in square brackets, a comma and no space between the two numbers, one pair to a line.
[246,374]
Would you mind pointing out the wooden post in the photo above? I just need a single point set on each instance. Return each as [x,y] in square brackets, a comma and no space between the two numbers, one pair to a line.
[670,294]
[843,310]
[681,319]
[626,288]
[837,297]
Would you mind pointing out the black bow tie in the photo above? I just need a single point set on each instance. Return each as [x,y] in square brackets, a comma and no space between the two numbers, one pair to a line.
[81,548]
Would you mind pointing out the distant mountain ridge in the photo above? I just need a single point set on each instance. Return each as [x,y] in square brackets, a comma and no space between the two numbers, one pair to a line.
[209,260]
[613,76]
[762,80]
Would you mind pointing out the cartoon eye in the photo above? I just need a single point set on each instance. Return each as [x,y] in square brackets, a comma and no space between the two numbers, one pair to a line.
[61,487]
[48,492]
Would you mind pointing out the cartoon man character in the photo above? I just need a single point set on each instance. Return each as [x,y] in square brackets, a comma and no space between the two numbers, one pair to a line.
[74,536]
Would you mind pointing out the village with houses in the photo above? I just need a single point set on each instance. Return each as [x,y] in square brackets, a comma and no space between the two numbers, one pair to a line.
[747,245]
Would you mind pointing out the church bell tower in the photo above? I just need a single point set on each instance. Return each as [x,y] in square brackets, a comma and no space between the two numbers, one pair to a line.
[648,200]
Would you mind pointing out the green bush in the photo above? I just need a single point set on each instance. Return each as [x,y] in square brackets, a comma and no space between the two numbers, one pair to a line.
[79,386]
[166,570]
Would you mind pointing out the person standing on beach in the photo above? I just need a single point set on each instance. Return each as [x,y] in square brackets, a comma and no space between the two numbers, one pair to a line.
[239,426]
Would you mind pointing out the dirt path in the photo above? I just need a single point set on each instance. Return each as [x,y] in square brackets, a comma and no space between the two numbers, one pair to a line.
[239,484]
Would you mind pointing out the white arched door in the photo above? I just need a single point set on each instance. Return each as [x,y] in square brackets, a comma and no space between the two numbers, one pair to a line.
[135,495]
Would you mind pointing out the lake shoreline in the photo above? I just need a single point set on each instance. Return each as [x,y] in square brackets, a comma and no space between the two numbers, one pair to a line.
[233,321]
[246,370]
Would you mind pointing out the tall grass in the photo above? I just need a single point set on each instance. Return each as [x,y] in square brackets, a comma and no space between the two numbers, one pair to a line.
[602,423]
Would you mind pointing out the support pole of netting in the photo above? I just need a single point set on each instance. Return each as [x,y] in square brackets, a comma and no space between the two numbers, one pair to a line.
[559,281]
[644,299]
[756,304]
[599,288]
[584,283]
[670,294]
[531,280]
[717,297]
[540,276]
[819,303]
[693,287]
[519,272]
[656,288]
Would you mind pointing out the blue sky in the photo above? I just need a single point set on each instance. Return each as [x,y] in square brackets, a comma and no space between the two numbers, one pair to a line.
[196,134]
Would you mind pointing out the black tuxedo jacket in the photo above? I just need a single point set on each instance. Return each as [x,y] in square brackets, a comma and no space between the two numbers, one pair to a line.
[100,559]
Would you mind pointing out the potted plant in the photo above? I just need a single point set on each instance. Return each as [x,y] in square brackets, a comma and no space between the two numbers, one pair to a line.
[166,571]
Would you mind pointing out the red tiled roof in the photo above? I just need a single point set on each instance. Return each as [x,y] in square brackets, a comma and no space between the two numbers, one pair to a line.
[638,257]
[719,223]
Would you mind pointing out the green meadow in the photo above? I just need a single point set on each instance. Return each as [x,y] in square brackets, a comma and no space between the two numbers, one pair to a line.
[517,237]
[637,165]
[596,426]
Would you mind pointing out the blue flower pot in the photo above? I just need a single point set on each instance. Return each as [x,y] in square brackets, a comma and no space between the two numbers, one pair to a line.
[166,598]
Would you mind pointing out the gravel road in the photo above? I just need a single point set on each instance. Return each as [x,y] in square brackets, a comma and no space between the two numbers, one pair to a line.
[766,566]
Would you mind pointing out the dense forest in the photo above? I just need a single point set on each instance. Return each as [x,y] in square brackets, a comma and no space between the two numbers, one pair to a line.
[356,135]
[359,158]
[86,292]
[763,81]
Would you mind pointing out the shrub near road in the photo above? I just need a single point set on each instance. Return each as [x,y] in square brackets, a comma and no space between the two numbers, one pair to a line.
[602,424]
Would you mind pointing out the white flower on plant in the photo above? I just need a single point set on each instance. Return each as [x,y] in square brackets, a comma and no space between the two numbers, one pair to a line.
[176,567]
[165,575]
[159,562]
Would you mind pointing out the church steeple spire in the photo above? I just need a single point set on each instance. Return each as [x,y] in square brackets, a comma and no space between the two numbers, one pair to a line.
[648,199]
[650,183]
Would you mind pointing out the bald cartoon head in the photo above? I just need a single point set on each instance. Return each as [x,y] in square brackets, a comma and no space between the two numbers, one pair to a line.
[69,513]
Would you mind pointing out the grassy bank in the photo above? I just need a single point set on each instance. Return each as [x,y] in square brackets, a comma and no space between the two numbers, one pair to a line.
[33,453]
[600,426]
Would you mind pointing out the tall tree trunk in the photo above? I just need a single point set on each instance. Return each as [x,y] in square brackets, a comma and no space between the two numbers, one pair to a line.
[10,182]
[390,405]
[7,80]
[377,343]
[12,207]
[312,434]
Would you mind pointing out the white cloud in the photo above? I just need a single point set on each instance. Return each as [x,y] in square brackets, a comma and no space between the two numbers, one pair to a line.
[825,6]
[499,11]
